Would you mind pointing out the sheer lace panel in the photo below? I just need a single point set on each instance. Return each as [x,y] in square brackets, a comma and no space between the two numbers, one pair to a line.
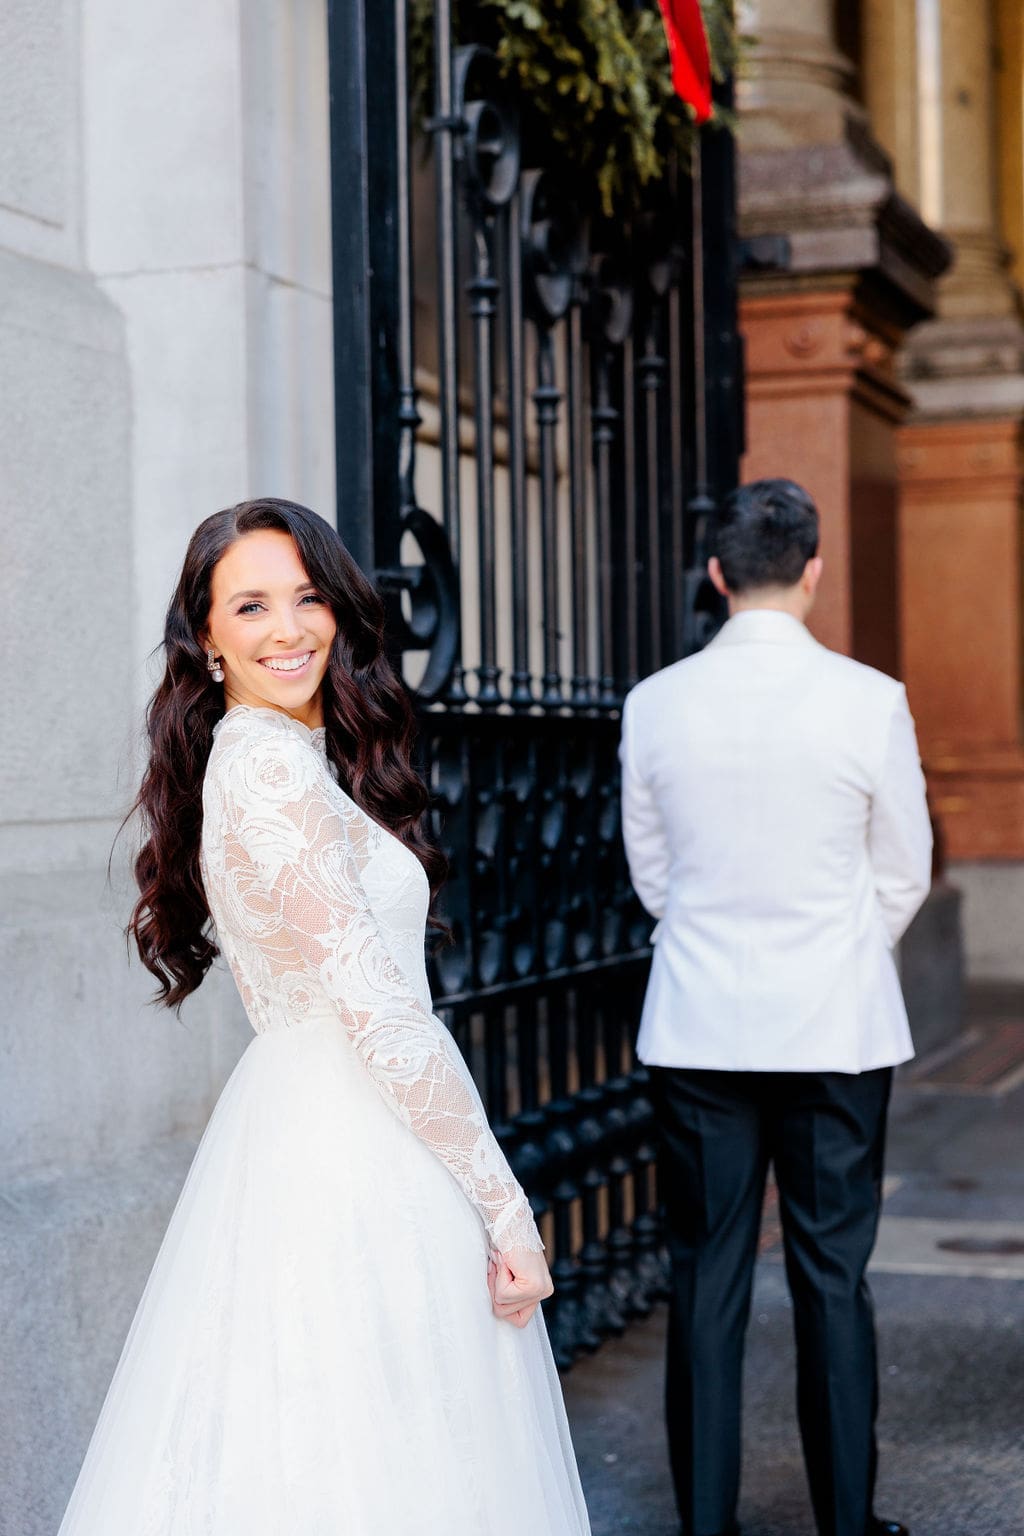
[287,883]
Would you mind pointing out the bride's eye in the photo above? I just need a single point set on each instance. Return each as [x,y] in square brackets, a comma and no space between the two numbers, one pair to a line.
[312,597]
[249,607]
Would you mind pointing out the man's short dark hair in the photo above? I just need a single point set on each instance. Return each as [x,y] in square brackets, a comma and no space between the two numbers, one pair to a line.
[764,535]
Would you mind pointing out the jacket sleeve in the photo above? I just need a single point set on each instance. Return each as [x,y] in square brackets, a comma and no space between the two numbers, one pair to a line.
[899,827]
[294,852]
[642,828]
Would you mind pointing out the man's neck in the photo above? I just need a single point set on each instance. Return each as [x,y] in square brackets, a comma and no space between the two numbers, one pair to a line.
[774,599]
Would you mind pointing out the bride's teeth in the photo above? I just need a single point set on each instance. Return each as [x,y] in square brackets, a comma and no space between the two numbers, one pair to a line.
[291,665]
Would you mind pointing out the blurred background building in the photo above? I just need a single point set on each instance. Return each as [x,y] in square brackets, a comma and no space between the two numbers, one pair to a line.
[888,376]
[167,347]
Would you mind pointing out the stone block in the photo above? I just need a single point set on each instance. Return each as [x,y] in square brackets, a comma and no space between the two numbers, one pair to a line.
[162,128]
[90,1072]
[74,1256]
[932,969]
[993,918]
[291,395]
[65,576]
[287,142]
[188,356]
[38,95]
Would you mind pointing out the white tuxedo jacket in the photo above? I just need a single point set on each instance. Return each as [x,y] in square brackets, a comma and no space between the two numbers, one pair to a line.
[775,822]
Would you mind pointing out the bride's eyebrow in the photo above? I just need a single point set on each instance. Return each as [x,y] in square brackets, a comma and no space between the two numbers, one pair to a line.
[305,586]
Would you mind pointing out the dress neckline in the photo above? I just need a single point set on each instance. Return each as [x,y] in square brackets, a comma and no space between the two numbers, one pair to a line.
[316,736]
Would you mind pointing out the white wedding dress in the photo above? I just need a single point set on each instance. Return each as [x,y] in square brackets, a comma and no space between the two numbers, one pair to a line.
[315,1352]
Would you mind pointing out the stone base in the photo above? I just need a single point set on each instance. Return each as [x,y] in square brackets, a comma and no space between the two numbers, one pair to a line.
[74,1257]
[932,970]
[823,408]
[993,901]
[959,368]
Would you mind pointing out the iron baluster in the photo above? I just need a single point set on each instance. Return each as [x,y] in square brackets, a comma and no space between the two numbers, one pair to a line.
[408,414]
[568,1328]
[444,127]
[483,290]
[703,609]
[489,165]
[521,696]
[657,279]
[582,685]
[553,238]
[604,419]
[621,1275]
[631,564]
[679,439]
[650,1262]
[651,370]
[611,314]
[601,1312]
[496,1070]
[547,397]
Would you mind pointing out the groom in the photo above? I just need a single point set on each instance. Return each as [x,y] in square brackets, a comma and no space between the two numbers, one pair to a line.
[775,822]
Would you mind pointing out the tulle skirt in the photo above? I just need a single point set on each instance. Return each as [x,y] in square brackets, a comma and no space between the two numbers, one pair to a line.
[315,1354]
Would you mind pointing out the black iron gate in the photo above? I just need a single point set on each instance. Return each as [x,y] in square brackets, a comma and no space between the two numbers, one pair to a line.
[540,536]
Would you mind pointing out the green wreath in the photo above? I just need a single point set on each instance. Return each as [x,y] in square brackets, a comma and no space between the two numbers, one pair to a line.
[595,84]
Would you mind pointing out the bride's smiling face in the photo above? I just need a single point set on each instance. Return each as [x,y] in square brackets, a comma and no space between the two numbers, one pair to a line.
[270,628]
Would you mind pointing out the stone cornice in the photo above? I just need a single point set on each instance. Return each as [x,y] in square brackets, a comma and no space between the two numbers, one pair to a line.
[836,206]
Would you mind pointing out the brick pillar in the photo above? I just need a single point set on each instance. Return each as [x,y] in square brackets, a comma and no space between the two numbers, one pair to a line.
[823,408]
[962,625]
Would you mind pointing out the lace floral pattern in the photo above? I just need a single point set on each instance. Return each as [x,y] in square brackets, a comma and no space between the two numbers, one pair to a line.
[318,909]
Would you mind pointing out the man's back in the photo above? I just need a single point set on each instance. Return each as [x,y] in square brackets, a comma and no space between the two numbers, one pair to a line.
[774,820]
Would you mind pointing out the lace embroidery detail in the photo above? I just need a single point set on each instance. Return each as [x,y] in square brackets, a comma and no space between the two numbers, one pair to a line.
[287,859]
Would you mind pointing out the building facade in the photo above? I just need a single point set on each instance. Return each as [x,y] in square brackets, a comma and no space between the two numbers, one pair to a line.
[881,146]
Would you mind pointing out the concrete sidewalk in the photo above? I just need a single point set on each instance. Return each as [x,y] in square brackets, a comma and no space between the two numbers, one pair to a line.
[948,1281]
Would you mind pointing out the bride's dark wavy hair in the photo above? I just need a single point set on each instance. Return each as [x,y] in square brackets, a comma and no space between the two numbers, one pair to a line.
[369,721]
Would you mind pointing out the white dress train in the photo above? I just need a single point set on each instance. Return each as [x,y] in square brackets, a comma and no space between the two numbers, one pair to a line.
[315,1352]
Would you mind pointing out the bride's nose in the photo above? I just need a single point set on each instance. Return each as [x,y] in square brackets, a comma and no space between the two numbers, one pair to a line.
[287,629]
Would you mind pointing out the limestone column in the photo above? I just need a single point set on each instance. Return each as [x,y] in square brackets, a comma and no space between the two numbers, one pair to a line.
[961,467]
[958,153]
[794,84]
[841,267]
[1009,17]
[890,88]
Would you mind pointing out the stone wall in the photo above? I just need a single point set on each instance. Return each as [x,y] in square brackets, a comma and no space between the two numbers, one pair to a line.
[165,349]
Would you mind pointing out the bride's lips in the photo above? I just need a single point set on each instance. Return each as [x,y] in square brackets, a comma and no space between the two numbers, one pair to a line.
[288,671]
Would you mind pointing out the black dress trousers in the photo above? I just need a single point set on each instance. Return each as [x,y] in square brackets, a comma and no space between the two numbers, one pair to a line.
[825,1134]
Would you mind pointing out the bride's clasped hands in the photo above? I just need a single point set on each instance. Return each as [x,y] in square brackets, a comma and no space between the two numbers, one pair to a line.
[518,1282]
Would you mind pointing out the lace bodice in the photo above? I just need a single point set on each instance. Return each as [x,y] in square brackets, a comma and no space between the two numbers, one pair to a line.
[320,913]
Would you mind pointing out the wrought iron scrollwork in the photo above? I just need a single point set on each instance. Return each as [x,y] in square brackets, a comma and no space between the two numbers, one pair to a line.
[432,591]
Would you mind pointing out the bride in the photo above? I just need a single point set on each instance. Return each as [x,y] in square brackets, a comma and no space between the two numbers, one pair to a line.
[340,1335]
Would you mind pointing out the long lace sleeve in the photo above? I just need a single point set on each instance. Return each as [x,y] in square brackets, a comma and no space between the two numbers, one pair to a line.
[294,848]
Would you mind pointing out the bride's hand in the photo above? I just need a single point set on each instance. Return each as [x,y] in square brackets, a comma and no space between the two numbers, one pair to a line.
[518,1281]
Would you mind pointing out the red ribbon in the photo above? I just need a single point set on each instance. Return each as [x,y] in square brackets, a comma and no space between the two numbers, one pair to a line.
[688,53]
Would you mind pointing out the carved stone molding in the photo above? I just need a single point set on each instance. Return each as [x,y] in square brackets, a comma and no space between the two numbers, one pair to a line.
[816,342]
[835,205]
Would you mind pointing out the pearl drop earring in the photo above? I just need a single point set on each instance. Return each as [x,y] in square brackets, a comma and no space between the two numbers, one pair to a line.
[215,669]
